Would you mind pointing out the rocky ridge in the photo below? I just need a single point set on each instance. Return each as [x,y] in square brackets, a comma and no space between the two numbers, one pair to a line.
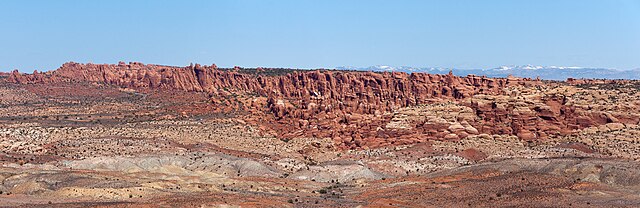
[356,109]
[69,142]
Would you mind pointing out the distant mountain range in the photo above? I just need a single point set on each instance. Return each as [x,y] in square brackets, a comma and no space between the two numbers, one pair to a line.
[527,71]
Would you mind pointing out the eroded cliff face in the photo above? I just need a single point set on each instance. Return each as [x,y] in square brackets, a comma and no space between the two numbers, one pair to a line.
[355,109]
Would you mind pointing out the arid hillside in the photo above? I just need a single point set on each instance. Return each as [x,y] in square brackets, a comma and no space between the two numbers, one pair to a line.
[360,109]
[141,135]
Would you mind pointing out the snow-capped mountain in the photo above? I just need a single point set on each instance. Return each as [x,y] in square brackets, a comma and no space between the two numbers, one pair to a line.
[532,67]
[528,71]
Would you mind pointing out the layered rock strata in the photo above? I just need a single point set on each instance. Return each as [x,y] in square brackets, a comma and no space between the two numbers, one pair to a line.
[356,109]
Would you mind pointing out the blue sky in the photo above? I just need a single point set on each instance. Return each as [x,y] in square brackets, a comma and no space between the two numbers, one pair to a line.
[323,33]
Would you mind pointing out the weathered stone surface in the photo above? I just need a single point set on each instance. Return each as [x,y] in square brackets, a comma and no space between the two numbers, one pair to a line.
[360,109]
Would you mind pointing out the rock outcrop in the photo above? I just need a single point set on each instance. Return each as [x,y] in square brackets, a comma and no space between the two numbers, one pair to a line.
[396,88]
[356,109]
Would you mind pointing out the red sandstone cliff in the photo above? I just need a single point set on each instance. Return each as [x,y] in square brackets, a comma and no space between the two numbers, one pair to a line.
[362,92]
[328,83]
[349,106]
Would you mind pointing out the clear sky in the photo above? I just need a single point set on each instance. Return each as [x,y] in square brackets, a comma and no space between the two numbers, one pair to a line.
[321,33]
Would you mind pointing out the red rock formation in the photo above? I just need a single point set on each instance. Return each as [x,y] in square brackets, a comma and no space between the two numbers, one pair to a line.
[307,99]
[346,106]
[362,92]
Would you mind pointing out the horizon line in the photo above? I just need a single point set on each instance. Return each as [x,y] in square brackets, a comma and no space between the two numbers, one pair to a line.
[344,67]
